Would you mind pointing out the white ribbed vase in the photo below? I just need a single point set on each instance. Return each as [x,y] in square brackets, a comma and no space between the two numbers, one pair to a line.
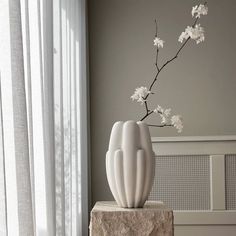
[130,163]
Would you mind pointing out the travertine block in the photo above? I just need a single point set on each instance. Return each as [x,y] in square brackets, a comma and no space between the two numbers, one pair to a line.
[154,219]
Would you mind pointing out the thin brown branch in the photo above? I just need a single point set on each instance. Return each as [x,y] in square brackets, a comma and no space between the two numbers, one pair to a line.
[147,114]
[157,51]
[160,126]
[146,106]
[176,55]
[156,27]
[170,60]
[153,82]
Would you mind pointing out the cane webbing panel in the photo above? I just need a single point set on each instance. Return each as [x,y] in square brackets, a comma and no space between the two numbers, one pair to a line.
[230,181]
[182,182]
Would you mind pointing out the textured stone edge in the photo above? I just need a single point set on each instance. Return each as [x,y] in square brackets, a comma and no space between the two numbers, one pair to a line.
[133,222]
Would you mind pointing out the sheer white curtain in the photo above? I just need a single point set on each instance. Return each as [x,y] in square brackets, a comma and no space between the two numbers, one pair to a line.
[43,115]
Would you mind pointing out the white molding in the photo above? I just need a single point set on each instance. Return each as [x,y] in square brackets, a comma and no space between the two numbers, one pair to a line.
[219,138]
[217,175]
[205,217]
[195,145]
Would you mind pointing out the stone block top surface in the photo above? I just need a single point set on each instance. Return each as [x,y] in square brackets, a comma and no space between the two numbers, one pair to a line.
[111,206]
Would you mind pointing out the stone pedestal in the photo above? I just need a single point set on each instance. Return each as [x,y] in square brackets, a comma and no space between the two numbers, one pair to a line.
[107,219]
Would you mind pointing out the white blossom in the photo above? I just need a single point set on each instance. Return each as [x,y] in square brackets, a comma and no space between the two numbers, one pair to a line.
[140,94]
[167,112]
[164,114]
[164,119]
[184,35]
[196,33]
[159,109]
[177,122]
[158,42]
[199,10]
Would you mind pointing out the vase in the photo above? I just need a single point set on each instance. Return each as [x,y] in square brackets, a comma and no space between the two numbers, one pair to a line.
[130,163]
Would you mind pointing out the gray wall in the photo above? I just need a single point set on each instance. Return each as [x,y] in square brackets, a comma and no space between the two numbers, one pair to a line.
[200,84]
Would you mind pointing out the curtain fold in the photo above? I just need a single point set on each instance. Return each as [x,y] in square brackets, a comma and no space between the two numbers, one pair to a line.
[14,123]
[67,116]
[3,216]
[27,74]
[43,115]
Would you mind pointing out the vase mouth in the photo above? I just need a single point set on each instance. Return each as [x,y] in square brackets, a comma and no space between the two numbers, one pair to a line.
[135,121]
[130,122]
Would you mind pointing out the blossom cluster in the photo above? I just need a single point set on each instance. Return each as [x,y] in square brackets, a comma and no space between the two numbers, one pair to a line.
[164,114]
[199,10]
[140,94]
[196,33]
[175,121]
[158,42]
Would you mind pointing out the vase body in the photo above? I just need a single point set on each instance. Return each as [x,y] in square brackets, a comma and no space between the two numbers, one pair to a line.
[130,163]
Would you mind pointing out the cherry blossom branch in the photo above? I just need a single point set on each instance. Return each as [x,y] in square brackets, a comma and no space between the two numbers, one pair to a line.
[161,68]
[141,94]
[168,61]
